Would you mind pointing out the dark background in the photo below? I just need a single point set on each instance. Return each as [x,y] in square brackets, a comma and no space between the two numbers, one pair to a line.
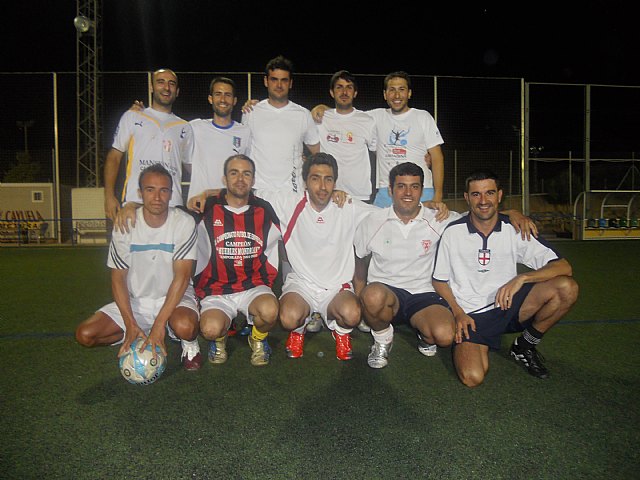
[581,42]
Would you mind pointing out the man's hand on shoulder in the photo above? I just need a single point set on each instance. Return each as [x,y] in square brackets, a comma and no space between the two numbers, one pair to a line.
[340,198]
[249,104]
[126,217]
[317,112]
[137,106]
[523,225]
[440,207]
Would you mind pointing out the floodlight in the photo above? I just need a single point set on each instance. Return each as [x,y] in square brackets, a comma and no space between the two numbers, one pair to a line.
[82,24]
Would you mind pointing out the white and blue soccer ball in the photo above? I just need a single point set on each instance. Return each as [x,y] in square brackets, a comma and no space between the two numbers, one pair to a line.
[140,368]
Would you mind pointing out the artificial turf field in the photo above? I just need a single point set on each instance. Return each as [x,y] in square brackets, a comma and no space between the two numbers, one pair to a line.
[65,411]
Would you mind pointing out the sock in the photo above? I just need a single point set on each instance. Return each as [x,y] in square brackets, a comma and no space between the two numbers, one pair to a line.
[385,337]
[341,330]
[530,338]
[301,329]
[258,335]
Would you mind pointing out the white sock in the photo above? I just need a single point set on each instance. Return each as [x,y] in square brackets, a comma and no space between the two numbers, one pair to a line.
[384,337]
[190,348]
[338,329]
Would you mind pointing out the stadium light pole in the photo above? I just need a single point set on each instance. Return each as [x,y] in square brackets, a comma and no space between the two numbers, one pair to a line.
[25,125]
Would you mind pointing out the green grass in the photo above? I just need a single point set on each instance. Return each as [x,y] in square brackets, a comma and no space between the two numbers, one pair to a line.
[65,411]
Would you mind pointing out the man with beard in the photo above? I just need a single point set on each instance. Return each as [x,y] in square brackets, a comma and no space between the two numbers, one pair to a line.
[237,262]
[148,136]
[214,140]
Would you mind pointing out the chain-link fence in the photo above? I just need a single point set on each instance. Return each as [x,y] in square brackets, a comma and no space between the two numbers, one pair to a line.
[548,142]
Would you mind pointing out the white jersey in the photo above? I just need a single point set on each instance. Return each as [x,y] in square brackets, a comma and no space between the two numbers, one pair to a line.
[477,266]
[349,137]
[277,138]
[148,253]
[402,254]
[319,245]
[149,137]
[405,137]
[212,145]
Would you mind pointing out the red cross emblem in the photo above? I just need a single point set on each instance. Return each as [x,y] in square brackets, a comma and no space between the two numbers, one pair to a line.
[484,257]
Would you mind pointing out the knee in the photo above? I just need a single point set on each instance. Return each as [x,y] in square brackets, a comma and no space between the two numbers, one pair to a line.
[351,315]
[211,330]
[186,328]
[444,335]
[84,336]
[373,297]
[290,318]
[471,377]
[568,290]
[268,313]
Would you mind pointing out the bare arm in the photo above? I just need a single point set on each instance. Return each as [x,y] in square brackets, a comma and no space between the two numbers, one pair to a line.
[111,167]
[121,297]
[181,275]
[360,274]
[437,171]
[463,321]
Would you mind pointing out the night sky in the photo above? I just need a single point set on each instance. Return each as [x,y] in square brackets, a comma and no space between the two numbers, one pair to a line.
[588,42]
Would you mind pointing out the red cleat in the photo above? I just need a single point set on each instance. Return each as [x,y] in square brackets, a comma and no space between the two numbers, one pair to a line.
[295,345]
[343,346]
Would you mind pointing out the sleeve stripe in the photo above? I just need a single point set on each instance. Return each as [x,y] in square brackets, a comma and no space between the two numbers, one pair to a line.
[116,259]
[186,247]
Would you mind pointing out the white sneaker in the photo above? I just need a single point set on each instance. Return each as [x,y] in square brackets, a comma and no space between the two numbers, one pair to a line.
[315,324]
[191,358]
[426,349]
[363,327]
[379,355]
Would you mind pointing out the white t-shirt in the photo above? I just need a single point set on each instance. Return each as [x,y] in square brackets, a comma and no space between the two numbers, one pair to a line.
[149,137]
[212,145]
[477,266]
[277,138]
[319,245]
[148,253]
[404,138]
[349,137]
[402,254]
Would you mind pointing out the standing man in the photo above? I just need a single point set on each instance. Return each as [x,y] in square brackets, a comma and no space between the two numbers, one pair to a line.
[348,135]
[406,134]
[280,129]
[151,277]
[318,237]
[401,240]
[153,135]
[403,134]
[215,140]
[476,273]
[237,263]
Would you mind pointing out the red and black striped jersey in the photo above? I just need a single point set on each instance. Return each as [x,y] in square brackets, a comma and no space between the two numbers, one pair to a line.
[237,247]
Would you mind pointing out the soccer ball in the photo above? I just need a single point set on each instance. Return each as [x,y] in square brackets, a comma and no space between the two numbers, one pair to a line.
[140,368]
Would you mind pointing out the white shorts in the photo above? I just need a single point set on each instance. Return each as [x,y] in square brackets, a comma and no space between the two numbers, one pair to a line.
[317,298]
[145,311]
[232,303]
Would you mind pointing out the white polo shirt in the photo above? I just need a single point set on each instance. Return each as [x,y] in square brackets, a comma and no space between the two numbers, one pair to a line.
[404,138]
[212,145]
[319,245]
[477,266]
[148,253]
[277,138]
[149,137]
[349,137]
[402,254]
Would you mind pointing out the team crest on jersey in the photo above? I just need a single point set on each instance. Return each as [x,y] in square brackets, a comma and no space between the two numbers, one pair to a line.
[426,244]
[166,145]
[332,137]
[237,142]
[484,257]
[349,137]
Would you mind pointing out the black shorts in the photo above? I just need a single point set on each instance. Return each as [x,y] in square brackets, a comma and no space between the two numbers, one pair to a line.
[490,325]
[412,303]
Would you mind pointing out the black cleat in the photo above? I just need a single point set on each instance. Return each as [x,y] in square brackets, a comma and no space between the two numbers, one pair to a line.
[531,360]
